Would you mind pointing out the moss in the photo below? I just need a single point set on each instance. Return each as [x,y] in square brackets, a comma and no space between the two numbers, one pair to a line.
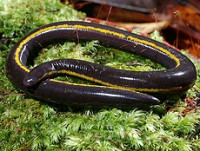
[29,124]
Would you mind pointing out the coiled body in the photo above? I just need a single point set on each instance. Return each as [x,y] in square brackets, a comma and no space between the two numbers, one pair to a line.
[119,87]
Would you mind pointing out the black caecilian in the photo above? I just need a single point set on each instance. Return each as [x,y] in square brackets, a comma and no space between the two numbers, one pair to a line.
[117,87]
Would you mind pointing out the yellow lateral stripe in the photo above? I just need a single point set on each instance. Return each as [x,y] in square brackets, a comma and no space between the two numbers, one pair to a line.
[137,90]
[157,47]
[106,83]
[19,48]
[80,76]
[96,86]
[105,31]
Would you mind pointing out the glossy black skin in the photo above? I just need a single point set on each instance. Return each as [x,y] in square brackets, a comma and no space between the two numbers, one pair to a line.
[182,76]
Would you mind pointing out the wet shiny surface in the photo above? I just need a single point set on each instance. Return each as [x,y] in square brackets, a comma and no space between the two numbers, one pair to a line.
[119,86]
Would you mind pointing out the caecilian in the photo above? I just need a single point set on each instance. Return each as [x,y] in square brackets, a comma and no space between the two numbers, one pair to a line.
[114,87]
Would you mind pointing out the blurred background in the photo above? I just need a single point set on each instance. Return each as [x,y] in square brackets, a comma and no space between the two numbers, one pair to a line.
[177,20]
